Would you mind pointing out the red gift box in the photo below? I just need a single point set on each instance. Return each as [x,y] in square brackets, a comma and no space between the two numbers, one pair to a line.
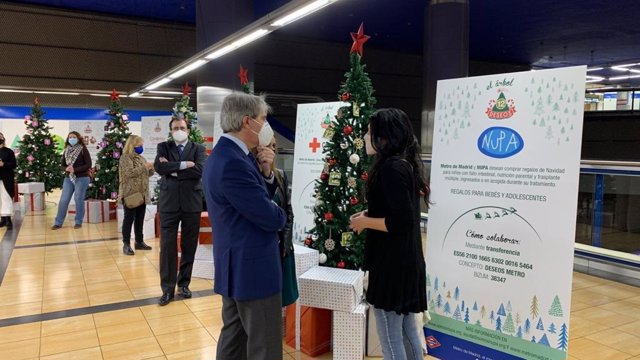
[206,235]
[315,329]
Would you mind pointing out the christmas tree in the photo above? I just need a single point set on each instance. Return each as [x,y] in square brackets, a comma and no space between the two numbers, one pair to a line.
[182,110]
[106,181]
[339,191]
[38,160]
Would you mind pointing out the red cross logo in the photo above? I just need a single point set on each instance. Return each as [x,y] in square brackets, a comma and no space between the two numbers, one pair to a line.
[314,145]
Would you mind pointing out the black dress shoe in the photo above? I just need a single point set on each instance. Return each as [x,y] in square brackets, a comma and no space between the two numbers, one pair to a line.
[126,249]
[3,221]
[184,292]
[165,299]
[142,246]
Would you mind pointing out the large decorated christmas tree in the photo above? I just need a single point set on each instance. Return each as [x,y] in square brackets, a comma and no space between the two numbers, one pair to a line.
[340,190]
[116,131]
[38,158]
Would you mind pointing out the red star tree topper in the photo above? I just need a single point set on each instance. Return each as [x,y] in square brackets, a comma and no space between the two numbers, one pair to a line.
[359,39]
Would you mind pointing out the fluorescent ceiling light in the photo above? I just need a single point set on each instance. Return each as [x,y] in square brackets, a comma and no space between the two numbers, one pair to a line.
[16,91]
[300,13]
[188,68]
[238,43]
[157,97]
[101,95]
[591,79]
[135,94]
[625,65]
[216,54]
[624,77]
[620,68]
[162,92]
[594,69]
[56,92]
[250,38]
[158,83]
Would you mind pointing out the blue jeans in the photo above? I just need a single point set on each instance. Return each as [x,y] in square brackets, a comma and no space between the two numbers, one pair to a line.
[78,191]
[398,335]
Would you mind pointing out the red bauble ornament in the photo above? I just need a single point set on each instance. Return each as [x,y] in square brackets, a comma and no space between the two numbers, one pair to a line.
[308,242]
[324,176]
[347,130]
[328,216]
[354,201]
[345,96]
[364,176]
[332,162]
[341,264]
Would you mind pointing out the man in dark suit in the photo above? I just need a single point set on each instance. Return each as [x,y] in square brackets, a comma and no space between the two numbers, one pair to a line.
[180,163]
[245,222]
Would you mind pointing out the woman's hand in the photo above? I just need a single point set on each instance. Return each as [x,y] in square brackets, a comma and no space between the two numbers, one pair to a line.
[69,169]
[359,221]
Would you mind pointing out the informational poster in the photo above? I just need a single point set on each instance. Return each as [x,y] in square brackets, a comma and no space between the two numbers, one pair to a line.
[312,120]
[504,180]
[155,129]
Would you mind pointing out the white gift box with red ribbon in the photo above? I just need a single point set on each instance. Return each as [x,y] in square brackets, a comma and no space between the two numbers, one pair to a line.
[149,227]
[33,201]
[95,211]
[31,187]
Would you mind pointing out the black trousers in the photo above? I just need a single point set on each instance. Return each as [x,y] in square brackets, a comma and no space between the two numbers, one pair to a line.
[133,216]
[169,221]
[251,329]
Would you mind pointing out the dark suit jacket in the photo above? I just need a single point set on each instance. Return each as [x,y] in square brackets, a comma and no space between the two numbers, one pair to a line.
[245,224]
[182,192]
[7,171]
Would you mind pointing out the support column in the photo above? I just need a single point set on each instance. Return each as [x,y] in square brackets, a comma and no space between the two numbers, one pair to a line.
[446,55]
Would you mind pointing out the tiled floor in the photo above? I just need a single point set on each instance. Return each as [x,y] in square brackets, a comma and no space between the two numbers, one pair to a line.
[71,294]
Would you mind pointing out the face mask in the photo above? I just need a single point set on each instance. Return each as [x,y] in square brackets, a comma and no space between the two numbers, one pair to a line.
[265,135]
[179,135]
[138,149]
[73,141]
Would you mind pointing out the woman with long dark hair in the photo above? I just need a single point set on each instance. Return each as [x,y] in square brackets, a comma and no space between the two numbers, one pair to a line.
[76,162]
[393,248]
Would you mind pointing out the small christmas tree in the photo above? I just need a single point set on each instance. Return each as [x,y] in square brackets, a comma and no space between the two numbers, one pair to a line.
[340,189]
[182,110]
[38,160]
[243,74]
[106,181]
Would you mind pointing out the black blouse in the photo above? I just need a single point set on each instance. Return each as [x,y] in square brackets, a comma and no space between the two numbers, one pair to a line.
[397,280]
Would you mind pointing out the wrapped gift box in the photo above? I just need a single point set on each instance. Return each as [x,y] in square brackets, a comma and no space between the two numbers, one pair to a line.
[31,187]
[306,258]
[95,211]
[204,252]
[203,269]
[149,228]
[33,201]
[331,288]
[205,236]
[349,333]
[373,341]
[314,327]
[113,209]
